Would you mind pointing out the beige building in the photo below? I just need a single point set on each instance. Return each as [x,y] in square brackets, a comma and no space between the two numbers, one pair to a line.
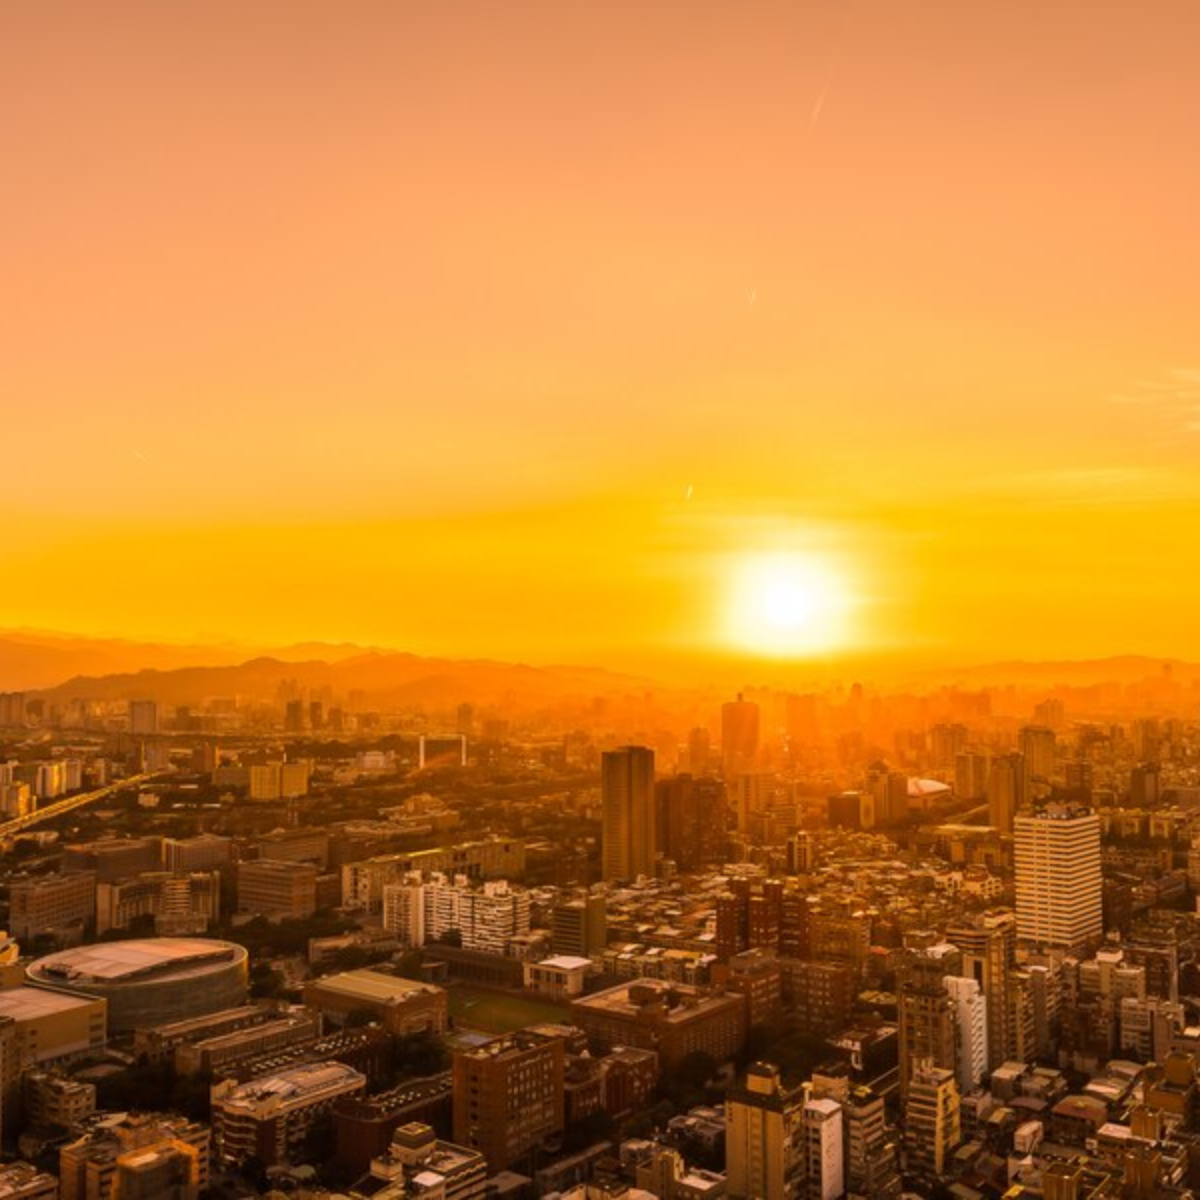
[179,902]
[932,1122]
[146,1156]
[40,1027]
[60,905]
[277,890]
[764,1148]
[1056,860]
[401,1005]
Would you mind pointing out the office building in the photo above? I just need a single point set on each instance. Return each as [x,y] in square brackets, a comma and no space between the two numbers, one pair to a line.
[204,852]
[673,1019]
[932,1122]
[60,906]
[690,820]
[1006,790]
[765,1155]
[508,1097]
[971,1028]
[627,801]
[1037,745]
[143,716]
[268,1116]
[739,737]
[179,902]
[39,1028]
[925,1011]
[987,944]
[822,1129]
[579,926]
[277,890]
[1058,876]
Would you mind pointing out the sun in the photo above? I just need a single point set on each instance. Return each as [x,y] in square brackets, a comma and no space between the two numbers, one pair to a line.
[787,604]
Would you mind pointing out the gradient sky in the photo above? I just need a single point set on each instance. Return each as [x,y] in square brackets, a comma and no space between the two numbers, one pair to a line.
[510,327]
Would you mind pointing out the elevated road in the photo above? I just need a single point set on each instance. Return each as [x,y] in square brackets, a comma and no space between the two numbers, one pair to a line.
[69,804]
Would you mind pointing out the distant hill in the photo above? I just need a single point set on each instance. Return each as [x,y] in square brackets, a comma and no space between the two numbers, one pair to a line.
[31,660]
[385,678]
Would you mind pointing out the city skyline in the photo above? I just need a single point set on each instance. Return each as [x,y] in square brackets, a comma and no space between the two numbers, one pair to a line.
[532,334]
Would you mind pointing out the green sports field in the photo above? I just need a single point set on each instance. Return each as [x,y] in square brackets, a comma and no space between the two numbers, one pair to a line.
[499,1012]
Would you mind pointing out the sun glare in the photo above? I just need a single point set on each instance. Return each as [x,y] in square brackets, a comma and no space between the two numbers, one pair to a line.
[787,605]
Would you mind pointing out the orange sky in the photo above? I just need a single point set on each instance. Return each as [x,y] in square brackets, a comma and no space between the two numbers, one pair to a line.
[414,323]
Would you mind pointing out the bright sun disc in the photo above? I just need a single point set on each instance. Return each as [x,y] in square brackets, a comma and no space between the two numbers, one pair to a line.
[787,604]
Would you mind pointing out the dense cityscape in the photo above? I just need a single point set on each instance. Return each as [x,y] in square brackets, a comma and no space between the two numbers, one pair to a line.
[837,943]
[600,600]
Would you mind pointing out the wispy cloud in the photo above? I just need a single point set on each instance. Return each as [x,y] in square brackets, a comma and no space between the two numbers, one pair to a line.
[1175,394]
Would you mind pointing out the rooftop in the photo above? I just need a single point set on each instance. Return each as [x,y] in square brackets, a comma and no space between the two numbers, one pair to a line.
[118,962]
[30,1003]
[295,1083]
[374,986]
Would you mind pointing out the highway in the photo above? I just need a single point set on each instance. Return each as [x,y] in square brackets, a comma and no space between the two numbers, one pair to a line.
[69,804]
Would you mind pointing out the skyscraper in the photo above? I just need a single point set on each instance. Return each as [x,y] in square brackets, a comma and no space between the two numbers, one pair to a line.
[627,799]
[143,716]
[739,736]
[1005,791]
[971,1026]
[927,1033]
[1038,745]
[988,946]
[1058,877]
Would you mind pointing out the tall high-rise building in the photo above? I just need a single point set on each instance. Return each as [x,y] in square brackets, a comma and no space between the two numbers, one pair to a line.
[764,1152]
[699,751]
[1058,876]
[927,1030]
[689,820]
[824,1150]
[988,947]
[932,1122]
[753,793]
[627,801]
[1037,745]
[293,716]
[971,771]
[143,716]
[739,736]
[971,1030]
[1006,791]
